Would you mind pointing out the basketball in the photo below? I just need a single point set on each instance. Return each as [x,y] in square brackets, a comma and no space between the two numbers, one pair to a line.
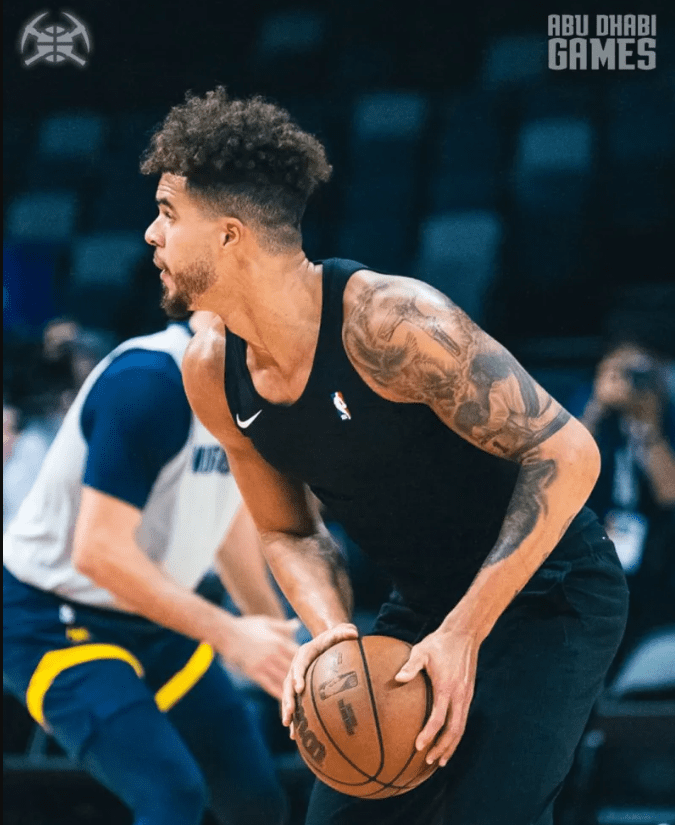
[355,726]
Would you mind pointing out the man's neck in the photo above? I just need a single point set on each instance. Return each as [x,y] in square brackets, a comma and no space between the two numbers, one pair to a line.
[276,309]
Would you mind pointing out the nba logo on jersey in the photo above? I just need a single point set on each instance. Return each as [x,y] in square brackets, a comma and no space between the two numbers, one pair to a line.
[341,406]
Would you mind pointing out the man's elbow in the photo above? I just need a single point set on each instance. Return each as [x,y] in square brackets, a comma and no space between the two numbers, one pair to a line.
[84,561]
[90,559]
[584,458]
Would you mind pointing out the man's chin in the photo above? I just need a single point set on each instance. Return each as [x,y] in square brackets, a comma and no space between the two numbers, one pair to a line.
[176,306]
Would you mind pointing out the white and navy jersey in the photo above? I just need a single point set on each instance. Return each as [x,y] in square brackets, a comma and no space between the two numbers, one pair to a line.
[130,433]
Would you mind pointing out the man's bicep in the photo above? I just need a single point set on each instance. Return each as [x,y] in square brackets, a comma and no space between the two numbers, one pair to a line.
[103,521]
[414,345]
[497,405]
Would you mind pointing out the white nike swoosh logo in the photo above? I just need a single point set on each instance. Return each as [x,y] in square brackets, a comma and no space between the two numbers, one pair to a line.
[249,421]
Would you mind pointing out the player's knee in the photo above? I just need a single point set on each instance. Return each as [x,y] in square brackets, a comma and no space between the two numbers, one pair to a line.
[191,797]
[180,800]
[183,794]
[162,785]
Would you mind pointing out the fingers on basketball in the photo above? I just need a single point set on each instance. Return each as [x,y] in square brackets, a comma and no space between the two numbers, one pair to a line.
[356,725]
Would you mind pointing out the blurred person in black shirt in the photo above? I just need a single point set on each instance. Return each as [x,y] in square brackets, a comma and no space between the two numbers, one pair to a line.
[631,413]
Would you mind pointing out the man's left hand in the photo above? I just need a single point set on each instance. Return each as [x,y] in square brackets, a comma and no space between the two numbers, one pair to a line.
[450,660]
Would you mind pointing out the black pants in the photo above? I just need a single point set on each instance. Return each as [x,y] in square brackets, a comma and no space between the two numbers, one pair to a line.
[539,674]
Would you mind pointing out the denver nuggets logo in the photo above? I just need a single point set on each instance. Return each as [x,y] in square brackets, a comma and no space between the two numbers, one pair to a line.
[55,43]
[341,406]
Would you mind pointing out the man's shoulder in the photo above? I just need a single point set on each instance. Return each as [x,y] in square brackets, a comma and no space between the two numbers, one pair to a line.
[137,386]
[139,378]
[370,297]
[147,361]
[204,377]
[204,359]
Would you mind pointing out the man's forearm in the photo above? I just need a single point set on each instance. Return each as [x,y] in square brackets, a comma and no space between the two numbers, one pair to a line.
[312,575]
[139,586]
[241,567]
[553,485]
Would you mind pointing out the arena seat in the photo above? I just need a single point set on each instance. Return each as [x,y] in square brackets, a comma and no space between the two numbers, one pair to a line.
[288,49]
[107,257]
[459,254]
[68,151]
[385,152]
[628,756]
[514,60]
[68,136]
[552,178]
[553,165]
[42,216]
[288,33]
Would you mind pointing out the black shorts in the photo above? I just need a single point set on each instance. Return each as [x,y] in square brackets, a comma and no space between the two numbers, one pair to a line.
[539,673]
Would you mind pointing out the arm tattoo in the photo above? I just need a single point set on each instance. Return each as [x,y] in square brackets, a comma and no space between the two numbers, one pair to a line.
[312,563]
[424,349]
[329,553]
[441,358]
[527,504]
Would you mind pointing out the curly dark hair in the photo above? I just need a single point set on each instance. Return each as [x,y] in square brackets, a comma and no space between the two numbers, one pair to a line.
[245,158]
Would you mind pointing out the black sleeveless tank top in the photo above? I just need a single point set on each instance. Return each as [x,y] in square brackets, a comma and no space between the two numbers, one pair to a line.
[421,501]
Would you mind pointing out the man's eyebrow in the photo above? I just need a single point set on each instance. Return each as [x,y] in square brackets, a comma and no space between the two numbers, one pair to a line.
[165,202]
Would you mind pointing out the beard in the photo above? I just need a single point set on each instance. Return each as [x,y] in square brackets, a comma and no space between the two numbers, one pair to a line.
[175,304]
[188,285]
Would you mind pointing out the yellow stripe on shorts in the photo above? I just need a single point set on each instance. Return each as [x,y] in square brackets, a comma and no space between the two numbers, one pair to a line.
[56,661]
[186,678]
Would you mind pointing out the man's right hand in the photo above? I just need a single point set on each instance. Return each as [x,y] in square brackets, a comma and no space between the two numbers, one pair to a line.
[306,654]
[261,648]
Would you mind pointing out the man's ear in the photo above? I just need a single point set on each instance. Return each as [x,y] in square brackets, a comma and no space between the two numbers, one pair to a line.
[231,232]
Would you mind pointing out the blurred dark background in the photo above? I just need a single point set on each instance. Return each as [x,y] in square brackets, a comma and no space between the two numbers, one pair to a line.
[542,202]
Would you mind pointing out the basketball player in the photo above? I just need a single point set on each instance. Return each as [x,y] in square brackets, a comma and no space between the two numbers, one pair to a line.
[104,639]
[442,458]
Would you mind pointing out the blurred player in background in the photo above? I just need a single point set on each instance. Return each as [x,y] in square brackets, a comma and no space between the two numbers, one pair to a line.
[441,457]
[104,639]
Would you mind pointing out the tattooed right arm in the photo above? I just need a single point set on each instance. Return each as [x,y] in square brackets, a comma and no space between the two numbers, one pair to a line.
[411,344]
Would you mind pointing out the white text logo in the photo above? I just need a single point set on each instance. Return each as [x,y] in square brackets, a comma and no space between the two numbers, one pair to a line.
[622,42]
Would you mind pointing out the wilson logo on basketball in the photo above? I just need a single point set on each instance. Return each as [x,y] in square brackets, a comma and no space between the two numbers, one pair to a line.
[344,681]
[315,749]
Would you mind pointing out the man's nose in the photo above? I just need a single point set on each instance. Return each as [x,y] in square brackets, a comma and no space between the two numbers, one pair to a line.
[151,235]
